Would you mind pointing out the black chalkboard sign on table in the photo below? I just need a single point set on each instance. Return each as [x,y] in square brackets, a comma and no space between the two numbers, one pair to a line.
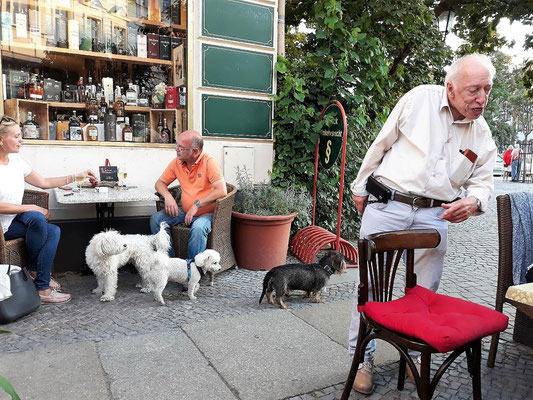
[108,173]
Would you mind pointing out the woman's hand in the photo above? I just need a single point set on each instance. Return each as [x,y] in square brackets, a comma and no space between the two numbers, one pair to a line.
[87,174]
[33,207]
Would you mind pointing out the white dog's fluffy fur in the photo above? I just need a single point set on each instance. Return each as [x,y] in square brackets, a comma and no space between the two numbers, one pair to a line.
[108,251]
[175,270]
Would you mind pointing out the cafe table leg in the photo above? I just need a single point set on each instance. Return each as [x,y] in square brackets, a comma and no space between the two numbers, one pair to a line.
[105,213]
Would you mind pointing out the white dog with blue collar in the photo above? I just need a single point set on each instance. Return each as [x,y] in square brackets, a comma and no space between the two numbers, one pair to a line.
[166,269]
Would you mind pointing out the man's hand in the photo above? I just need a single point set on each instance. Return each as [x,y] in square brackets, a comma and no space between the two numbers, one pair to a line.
[360,202]
[171,207]
[460,210]
[191,213]
[44,211]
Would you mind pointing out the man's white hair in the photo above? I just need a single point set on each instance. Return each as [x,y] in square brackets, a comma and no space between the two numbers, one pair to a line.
[455,68]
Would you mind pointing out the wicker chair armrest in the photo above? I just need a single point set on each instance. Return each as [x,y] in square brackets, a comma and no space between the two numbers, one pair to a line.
[175,191]
[36,197]
[505,248]
[223,209]
[3,251]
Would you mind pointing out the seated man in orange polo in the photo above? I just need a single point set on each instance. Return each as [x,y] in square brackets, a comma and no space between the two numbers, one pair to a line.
[202,183]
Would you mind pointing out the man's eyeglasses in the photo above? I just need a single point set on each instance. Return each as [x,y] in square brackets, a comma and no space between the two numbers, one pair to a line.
[5,118]
[180,148]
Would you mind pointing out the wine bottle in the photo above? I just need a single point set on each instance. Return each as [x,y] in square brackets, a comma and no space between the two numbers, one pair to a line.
[30,129]
[166,135]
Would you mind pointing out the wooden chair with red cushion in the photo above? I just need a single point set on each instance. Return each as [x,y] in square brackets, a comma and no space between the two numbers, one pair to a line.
[420,320]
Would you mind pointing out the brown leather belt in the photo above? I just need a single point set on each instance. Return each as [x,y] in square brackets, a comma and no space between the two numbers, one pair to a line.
[417,201]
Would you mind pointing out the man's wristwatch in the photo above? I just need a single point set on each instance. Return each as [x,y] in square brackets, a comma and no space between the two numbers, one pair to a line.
[197,203]
[478,204]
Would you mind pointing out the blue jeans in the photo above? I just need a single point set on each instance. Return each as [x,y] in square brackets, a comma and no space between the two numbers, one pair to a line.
[515,170]
[200,228]
[41,239]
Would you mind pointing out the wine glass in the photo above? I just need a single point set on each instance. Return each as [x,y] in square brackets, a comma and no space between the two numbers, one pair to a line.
[122,175]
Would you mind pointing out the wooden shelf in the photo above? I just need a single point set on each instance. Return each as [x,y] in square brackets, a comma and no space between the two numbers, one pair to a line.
[56,104]
[84,143]
[14,49]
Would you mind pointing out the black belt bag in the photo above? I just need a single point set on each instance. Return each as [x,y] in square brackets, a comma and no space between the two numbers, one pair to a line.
[383,194]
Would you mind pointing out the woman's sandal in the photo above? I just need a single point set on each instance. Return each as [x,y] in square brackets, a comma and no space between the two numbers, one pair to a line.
[53,284]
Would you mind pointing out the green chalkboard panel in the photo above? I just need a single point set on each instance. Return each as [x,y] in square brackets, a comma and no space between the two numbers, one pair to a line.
[238,20]
[236,117]
[236,69]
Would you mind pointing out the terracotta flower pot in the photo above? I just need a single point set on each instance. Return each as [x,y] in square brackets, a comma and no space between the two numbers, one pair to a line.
[261,242]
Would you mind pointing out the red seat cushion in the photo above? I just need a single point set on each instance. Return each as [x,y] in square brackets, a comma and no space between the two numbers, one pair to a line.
[443,322]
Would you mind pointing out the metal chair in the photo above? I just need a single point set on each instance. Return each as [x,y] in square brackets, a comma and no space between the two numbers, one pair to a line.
[14,251]
[220,237]
[420,320]
[524,314]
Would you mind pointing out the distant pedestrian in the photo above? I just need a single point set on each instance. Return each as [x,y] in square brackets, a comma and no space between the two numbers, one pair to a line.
[507,162]
[515,163]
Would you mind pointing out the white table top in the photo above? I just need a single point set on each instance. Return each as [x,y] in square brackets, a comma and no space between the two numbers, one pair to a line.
[91,196]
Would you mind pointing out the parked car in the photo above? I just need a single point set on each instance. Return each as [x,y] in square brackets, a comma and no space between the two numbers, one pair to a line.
[498,167]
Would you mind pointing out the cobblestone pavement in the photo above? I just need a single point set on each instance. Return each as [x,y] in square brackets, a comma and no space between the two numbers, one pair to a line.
[470,273]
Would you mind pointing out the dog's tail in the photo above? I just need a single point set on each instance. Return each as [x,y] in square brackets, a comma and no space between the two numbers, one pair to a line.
[266,282]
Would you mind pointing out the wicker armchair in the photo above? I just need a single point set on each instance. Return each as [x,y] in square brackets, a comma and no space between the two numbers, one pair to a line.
[14,251]
[523,327]
[220,237]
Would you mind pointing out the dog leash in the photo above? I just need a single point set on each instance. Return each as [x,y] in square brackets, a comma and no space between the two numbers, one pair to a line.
[189,261]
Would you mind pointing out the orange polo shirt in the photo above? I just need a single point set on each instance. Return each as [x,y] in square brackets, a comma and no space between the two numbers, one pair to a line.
[196,183]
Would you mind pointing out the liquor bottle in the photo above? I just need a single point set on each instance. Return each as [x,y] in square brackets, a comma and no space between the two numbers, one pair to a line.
[92,130]
[142,9]
[102,111]
[61,28]
[99,91]
[6,19]
[144,98]
[48,26]
[35,24]
[154,10]
[107,36]
[131,95]
[160,129]
[91,87]
[30,128]
[92,104]
[119,105]
[166,16]
[127,132]
[81,91]
[74,127]
[183,98]
[35,89]
[174,133]
[166,135]
[21,20]
[110,125]
[73,34]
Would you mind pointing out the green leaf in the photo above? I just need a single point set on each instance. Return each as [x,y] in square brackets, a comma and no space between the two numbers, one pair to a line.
[8,388]
[320,34]
[348,78]
[299,96]
[281,67]
[330,73]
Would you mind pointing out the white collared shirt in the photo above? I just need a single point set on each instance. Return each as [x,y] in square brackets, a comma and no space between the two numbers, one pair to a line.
[418,150]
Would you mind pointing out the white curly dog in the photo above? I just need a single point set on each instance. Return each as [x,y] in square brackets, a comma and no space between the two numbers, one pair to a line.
[167,269]
[108,251]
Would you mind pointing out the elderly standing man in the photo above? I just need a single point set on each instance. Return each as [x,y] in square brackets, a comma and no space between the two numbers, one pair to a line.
[202,183]
[434,144]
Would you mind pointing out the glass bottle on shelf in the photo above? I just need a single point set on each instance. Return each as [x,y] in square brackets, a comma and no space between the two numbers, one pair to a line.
[92,130]
[85,34]
[6,20]
[119,105]
[183,98]
[92,102]
[81,90]
[127,132]
[166,135]
[21,20]
[144,98]
[160,129]
[61,28]
[131,95]
[110,125]
[30,128]
[102,111]
[154,10]
[74,127]
[35,23]
[35,90]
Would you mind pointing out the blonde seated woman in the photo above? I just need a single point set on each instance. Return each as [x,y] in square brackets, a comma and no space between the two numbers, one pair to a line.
[29,221]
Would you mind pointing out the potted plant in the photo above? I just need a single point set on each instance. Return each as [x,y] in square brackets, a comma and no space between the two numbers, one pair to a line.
[261,221]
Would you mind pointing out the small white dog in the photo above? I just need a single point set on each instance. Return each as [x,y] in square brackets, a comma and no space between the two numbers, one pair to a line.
[167,269]
[108,251]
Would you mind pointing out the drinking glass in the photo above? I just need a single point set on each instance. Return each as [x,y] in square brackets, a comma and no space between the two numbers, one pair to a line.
[79,181]
[122,175]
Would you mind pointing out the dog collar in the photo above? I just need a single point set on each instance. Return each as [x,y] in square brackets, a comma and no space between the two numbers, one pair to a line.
[189,261]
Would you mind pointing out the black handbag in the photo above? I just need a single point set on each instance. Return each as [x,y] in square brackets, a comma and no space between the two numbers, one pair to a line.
[24,299]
